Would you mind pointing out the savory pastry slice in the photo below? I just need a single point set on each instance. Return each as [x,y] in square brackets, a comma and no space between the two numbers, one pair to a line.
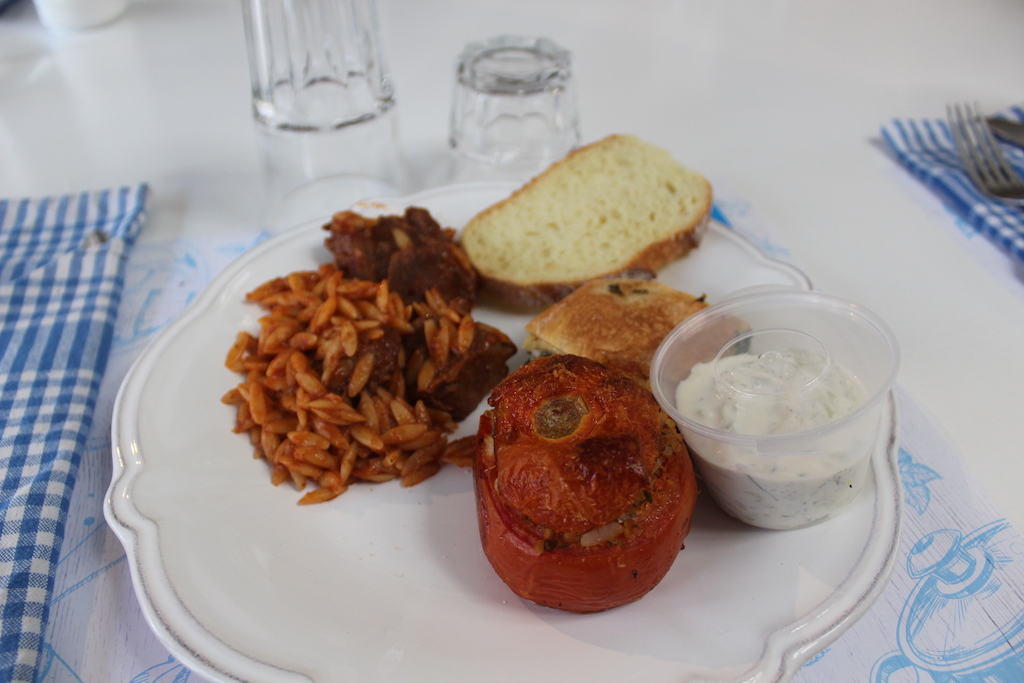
[618,322]
[584,488]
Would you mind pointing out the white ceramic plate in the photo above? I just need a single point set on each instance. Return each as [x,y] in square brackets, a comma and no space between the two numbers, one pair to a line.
[390,584]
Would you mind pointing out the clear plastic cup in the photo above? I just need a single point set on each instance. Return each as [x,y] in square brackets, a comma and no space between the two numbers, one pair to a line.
[779,396]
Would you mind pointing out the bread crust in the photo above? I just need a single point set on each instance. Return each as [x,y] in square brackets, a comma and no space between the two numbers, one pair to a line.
[685,237]
[543,294]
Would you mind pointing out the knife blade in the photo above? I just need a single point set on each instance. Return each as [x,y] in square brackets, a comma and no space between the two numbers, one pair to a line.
[1007,131]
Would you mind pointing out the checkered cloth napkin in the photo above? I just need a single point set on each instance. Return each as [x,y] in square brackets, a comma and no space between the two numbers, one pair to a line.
[926,148]
[62,262]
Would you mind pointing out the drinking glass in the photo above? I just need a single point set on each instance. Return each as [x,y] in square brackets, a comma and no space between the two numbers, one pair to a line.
[513,108]
[324,106]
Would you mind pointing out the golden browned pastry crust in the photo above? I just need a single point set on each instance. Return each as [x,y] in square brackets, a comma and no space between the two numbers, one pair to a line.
[617,322]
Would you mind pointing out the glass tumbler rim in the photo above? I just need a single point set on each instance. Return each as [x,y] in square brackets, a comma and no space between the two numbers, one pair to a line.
[514,65]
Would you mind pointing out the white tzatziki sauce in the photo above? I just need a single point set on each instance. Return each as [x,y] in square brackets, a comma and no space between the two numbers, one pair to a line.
[771,394]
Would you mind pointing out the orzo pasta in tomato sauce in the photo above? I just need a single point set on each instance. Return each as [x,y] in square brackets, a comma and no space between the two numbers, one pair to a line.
[347,381]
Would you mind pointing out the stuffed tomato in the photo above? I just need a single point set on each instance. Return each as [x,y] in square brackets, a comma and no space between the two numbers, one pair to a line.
[584,488]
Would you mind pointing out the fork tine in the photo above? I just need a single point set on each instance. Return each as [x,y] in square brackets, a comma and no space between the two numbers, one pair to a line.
[981,156]
[981,151]
[964,145]
[997,163]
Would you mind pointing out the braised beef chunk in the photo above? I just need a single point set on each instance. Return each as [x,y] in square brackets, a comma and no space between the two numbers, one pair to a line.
[419,224]
[361,247]
[385,351]
[422,263]
[433,265]
[413,252]
[468,378]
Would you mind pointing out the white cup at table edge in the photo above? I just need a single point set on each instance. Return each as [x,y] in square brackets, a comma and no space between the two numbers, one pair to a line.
[75,15]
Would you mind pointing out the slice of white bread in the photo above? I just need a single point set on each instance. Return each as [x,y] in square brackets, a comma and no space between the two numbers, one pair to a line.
[618,322]
[611,207]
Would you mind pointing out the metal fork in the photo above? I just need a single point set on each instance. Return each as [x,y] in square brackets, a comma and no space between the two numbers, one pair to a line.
[981,155]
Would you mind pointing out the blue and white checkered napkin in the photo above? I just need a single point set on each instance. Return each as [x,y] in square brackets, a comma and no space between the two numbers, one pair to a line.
[62,262]
[926,148]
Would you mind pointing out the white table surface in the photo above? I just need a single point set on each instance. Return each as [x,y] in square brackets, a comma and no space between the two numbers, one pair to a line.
[783,100]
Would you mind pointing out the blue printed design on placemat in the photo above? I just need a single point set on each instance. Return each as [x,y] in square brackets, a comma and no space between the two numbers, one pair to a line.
[718,215]
[963,582]
[170,671]
[915,478]
[165,282]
